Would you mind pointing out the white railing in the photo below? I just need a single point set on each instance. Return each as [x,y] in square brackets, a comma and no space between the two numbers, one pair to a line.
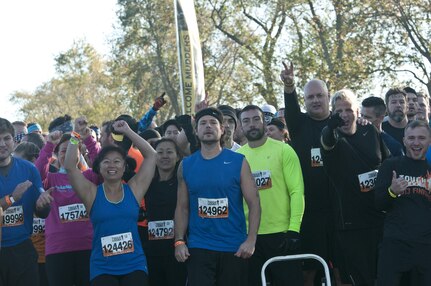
[296,257]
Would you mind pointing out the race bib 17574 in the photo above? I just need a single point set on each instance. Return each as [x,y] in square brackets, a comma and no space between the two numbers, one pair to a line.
[73,212]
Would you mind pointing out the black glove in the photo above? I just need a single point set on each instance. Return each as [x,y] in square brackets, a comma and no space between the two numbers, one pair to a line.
[335,121]
[184,120]
[291,243]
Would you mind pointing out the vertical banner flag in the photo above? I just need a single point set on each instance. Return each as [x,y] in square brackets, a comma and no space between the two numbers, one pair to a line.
[189,55]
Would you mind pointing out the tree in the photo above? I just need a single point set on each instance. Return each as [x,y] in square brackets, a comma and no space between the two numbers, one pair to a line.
[407,39]
[82,87]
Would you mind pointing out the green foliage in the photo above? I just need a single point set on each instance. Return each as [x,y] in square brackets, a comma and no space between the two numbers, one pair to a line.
[348,43]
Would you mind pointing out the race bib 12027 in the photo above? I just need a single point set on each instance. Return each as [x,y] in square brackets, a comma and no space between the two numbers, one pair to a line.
[262,179]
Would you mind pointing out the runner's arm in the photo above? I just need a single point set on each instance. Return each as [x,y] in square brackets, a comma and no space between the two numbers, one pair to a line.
[181,217]
[251,196]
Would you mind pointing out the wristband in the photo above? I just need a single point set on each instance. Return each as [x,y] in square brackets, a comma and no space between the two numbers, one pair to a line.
[391,193]
[74,140]
[75,134]
[179,242]
[9,200]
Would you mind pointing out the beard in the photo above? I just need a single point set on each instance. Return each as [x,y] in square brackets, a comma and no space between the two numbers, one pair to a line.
[254,134]
[397,115]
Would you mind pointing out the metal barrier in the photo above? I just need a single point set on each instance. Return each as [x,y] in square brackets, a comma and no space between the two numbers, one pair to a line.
[296,257]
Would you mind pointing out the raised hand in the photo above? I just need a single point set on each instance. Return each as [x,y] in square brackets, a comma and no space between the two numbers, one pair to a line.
[398,185]
[80,125]
[201,105]
[287,75]
[335,121]
[121,126]
[54,137]
[159,102]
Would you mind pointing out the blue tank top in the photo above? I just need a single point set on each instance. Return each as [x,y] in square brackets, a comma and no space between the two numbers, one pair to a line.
[216,214]
[117,248]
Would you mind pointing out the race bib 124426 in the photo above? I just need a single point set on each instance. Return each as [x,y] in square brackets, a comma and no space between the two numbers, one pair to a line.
[117,244]
[213,208]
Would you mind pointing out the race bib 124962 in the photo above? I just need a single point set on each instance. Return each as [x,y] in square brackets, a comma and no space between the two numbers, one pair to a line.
[213,208]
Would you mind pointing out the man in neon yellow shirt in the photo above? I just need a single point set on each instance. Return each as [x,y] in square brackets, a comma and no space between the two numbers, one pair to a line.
[277,173]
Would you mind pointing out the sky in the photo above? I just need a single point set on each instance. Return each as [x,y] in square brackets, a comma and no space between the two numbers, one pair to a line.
[32,33]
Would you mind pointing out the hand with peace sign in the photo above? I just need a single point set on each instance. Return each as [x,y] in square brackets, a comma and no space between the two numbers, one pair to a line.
[287,77]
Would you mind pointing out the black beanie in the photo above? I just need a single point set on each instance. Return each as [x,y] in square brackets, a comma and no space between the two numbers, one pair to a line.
[229,111]
[214,112]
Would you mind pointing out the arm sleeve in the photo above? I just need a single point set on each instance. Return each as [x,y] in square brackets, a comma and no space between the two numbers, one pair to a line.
[295,186]
[382,199]
[146,119]
[42,162]
[292,112]
[93,148]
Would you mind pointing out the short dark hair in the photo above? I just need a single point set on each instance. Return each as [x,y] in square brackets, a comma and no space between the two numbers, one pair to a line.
[29,150]
[377,103]
[6,127]
[393,91]
[130,163]
[36,138]
[164,139]
[417,123]
[408,89]
[169,123]
[21,123]
[59,121]
[250,107]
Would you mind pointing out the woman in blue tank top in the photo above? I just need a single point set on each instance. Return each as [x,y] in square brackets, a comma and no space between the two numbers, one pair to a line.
[117,257]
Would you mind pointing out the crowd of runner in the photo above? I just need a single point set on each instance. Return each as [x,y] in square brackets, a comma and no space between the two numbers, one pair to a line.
[207,199]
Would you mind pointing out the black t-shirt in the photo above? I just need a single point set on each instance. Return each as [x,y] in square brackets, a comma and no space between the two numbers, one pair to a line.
[396,133]
[355,155]
[161,200]
[409,215]
[305,140]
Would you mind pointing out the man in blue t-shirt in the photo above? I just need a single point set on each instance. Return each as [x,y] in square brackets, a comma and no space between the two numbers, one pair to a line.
[20,197]
[212,184]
